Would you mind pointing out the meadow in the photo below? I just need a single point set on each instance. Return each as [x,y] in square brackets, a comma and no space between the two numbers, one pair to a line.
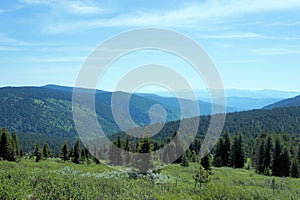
[55,179]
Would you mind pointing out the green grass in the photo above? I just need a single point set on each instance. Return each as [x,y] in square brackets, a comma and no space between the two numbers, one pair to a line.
[54,179]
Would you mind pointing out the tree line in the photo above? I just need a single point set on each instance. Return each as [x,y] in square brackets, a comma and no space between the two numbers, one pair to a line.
[271,154]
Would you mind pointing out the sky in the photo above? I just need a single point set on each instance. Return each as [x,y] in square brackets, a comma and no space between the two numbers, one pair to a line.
[254,44]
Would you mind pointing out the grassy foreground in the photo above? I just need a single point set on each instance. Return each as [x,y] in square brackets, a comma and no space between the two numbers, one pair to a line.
[53,179]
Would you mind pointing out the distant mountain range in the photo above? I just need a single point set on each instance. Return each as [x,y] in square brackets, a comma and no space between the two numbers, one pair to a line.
[295,101]
[45,113]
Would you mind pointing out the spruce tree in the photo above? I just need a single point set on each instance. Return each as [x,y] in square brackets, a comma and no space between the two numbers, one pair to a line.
[285,162]
[65,152]
[295,169]
[185,161]
[38,153]
[238,152]
[15,146]
[5,145]
[76,150]
[276,164]
[206,162]
[46,151]
[260,156]
[226,150]
[268,155]
[299,154]
[201,177]
[217,162]
[179,147]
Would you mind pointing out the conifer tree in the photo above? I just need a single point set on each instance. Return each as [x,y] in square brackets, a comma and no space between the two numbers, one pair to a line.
[268,155]
[46,151]
[226,150]
[5,146]
[206,162]
[38,153]
[260,156]
[218,153]
[295,169]
[65,152]
[285,162]
[237,157]
[276,164]
[76,150]
[185,161]
[201,177]
[299,155]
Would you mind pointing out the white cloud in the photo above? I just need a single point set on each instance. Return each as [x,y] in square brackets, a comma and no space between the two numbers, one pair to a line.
[190,15]
[232,36]
[57,59]
[274,51]
[84,7]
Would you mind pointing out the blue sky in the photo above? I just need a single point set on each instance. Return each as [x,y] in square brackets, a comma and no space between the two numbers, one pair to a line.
[254,44]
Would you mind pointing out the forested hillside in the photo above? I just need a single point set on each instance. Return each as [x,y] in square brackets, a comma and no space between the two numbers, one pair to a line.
[285,103]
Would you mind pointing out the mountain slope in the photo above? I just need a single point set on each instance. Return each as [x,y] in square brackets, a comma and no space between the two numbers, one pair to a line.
[285,103]
[48,110]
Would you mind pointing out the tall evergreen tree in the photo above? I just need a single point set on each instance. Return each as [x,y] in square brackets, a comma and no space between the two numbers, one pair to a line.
[226,150]
[206,162]
[185,161]
[38,153]
[260,156]
[295,169]
[217,162]
[268,155]
[285,162]
[299,154]
[65,152]
[46,151]
[179,147]
[5,146]
[276,164]
[238,157]
[15,146]
[76,150]
[144,159]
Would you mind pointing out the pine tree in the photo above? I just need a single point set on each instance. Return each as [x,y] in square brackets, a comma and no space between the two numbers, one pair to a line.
[38,153]
[299,155]
[4,145]
[65,152]
[194,156]
[83,155]
[295,169]
[260,156]
[201,177]
[218,153]
[206,162]
[15,146]
[285,162]
[144,159]
[179,147]
[237,157]
[268,155]
[226,150]
[76,150]
[46,151]
[185,161]
[276,164]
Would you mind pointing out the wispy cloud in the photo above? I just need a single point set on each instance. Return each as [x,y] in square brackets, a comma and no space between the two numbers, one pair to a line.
[84,7]
[232,36]
[8,41]
[6,48]
[188,15]
[274,51]
[56,59]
